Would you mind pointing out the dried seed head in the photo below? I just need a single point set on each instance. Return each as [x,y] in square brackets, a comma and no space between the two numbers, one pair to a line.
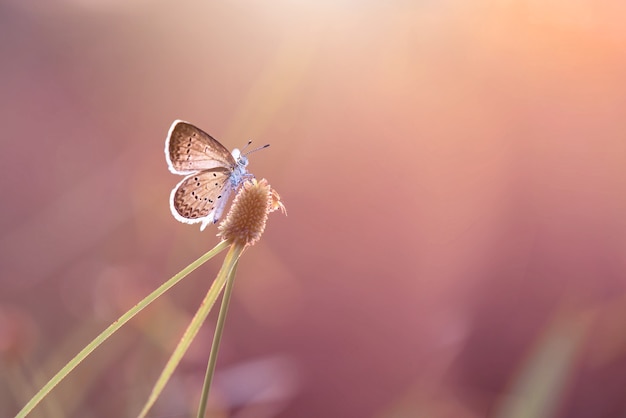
[246,219]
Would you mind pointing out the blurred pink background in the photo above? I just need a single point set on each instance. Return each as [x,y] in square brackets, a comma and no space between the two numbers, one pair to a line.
[455,179]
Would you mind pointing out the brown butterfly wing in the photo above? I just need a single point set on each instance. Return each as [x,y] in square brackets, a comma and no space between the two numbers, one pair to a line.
[201,197]
[189,149]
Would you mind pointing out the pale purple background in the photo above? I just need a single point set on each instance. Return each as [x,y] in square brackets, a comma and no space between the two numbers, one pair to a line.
[455,179]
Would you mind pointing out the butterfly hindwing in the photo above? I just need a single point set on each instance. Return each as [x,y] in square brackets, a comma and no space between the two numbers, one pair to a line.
[201,196]
[189,149]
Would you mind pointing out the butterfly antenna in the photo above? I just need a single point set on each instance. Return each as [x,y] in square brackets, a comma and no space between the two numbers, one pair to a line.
[246,146]
[254,150]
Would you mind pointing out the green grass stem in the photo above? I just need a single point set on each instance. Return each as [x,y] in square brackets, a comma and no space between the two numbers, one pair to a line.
[104,335]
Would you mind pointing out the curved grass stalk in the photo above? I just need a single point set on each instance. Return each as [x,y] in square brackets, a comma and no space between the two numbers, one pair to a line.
[104,335]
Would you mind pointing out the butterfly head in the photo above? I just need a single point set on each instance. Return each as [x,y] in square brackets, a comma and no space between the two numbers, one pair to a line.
[242,160]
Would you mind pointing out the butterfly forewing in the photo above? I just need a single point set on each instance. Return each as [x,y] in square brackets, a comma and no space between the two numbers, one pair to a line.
[189,149]
[201,197]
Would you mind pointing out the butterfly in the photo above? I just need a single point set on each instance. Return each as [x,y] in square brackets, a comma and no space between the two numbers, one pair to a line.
[211,173]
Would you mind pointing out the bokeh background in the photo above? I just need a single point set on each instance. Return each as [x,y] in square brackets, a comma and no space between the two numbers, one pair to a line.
[455,178]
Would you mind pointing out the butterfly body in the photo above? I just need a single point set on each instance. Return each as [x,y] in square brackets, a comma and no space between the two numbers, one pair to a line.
[211,173]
